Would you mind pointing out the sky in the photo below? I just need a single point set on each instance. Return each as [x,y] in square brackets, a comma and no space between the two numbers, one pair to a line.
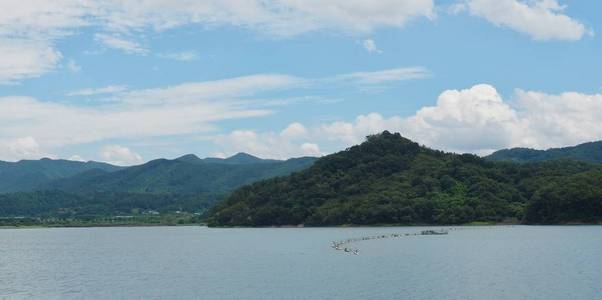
[128,81]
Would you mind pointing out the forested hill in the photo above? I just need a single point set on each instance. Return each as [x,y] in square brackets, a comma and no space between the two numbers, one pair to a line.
[391,180]
[27,175]
[185,184]
[587,152]
[179,176]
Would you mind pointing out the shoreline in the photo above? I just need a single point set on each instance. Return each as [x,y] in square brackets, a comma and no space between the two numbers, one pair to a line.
[100,226]
[488,224]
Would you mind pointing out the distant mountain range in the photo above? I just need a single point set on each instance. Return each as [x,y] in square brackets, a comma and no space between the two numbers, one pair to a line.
[28,175]
[45,187]
[387,179]
[587,152]
[186,174]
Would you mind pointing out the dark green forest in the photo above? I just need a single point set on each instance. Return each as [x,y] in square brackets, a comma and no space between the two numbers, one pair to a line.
[391,180]
[74,190]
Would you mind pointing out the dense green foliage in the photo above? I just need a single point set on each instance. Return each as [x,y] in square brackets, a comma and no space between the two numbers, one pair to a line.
[179,176]
[588,152]
[391,180]
[29,175]
[576,198]
[186,184]
[69,205]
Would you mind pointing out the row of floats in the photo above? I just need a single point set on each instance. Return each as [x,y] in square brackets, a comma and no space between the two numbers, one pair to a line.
[345,245]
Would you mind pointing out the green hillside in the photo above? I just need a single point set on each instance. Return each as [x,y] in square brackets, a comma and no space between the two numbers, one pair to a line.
[179,176]
[184,184]
[27,175]
[587,152]
[391,180]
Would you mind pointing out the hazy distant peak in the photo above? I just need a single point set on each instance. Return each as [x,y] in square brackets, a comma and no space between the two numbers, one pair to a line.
[587,152]
[189,158]
[242,157]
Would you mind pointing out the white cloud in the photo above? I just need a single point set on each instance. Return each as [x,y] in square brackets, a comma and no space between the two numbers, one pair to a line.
[180,56]
[20,148]
[21,59]
[57,125]
[184,109]
[119,43]
[370,46]
[27,33]
[558,120]
[29,29]
[120,155]
[279,17]
[294,130]
[266,145]
[354,133]
[214,89]
[541,19]
[476,120]
[178,110]
[385,76]
[111,89]
[76,158]
[311,149]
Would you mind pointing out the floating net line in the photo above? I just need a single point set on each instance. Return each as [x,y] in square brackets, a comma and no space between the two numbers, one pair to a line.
[346,245]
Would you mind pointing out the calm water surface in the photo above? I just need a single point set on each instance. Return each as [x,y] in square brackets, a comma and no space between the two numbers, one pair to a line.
[502,262]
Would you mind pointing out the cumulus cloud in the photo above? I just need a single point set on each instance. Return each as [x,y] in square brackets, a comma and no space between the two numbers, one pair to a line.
[294,130]
[541,19]
[266,145]
[476,120]
[311,149]
[20,148]
[120,155]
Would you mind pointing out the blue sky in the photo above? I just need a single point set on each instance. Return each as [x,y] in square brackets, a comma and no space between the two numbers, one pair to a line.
[130,81]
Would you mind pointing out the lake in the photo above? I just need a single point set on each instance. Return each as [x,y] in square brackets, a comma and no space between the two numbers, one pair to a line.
[489,262]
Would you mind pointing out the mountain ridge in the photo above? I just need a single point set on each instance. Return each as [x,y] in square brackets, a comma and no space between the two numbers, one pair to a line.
[587,152]
[29,174]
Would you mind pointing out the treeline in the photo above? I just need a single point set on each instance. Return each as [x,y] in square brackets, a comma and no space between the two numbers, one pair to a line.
[59,204]
[61,190]
[391,180]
